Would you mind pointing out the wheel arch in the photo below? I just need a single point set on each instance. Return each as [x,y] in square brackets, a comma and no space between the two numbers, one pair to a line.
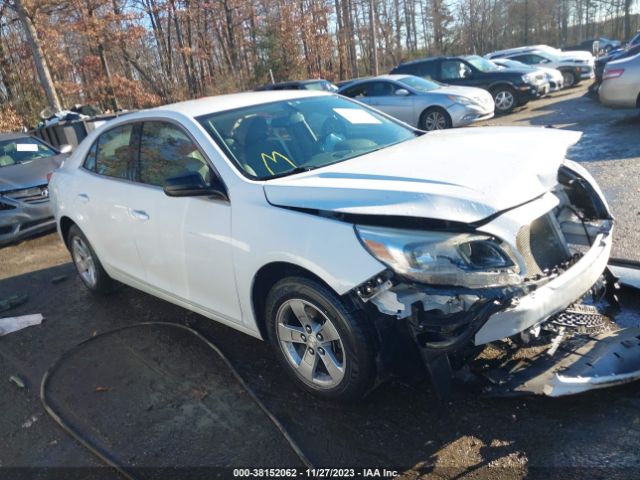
[266,277]
[501,83]
[433,107]
[65,224]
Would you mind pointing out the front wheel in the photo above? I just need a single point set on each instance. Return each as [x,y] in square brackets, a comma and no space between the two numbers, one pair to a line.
[505,99]
[324,346]
[569,78]
[435,118]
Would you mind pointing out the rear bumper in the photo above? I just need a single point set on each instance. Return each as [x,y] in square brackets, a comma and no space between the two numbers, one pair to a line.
[551,298]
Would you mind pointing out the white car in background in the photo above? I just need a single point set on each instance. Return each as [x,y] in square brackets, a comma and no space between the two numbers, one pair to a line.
[425,104]
[349,240]
[574,66]
[554,76]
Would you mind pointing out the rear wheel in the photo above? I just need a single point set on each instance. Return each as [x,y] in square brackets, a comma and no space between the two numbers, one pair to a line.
[435,118]
[569,78]
[505,99]
[321,343]
[87,264]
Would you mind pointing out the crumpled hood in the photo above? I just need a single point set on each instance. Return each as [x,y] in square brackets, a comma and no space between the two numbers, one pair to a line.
[25,175]
[462,175]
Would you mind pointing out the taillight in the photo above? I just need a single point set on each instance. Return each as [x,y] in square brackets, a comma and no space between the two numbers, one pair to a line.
[49,175]
[615,73]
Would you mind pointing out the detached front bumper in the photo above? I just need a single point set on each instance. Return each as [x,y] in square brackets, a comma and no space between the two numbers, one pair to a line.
[20,219]
[555,296]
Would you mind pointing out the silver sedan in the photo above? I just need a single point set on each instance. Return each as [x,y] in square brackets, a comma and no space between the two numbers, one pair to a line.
[422,103]
[25,208]
[620,86]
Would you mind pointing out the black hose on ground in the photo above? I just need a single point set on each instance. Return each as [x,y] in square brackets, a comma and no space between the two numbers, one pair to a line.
[104,456]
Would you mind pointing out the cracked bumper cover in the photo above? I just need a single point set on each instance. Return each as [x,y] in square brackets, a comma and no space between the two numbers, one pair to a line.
[551,298]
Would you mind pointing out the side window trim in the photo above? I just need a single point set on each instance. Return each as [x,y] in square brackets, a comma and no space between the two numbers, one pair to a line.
[187,133]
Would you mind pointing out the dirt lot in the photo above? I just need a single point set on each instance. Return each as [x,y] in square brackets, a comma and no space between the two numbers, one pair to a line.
[398,425]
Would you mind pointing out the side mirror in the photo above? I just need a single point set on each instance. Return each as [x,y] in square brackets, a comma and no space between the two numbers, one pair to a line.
[402,92]
[65,148]
[193,185]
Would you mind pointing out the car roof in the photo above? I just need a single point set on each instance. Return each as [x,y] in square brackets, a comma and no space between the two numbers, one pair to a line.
[389,76]
[421,60]
[221,103]
[13,136]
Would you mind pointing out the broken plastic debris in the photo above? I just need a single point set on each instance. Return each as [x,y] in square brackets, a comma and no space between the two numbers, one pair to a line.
[13,324]
[12,301]
[17,380]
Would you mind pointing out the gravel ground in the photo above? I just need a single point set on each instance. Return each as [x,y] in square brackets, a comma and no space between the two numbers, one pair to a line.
[401,426]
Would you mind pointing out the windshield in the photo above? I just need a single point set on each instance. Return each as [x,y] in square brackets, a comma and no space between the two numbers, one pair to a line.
[481,64]
[280,138]
[22,150]
[420,84]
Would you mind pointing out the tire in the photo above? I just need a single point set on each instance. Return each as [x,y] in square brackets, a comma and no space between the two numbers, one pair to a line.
[435,118]
[334,360]
[569,78]
[505,99]
[87,263]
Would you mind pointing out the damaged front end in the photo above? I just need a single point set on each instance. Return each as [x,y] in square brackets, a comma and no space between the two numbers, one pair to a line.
[510,276]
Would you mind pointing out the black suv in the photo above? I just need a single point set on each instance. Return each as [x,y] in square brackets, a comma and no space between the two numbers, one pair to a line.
[509,87]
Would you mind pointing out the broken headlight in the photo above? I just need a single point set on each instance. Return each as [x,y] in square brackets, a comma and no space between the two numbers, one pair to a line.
[439,258]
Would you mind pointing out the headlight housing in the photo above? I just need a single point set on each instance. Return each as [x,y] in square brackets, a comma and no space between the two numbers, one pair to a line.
[440,258]
[529,78]
[459,99]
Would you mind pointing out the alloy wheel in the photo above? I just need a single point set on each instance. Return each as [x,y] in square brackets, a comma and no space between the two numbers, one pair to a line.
[311,343]
[84,261]
[435,121]
[504,100]
[569,79]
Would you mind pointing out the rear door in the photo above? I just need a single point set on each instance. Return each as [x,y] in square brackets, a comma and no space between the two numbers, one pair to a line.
[184,242]
[105,191]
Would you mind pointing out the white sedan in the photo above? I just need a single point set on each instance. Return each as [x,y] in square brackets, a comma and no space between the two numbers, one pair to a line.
[423,103]
[344,237]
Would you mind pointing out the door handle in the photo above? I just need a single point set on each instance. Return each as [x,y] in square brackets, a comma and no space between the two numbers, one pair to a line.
[139,214]
[83,197]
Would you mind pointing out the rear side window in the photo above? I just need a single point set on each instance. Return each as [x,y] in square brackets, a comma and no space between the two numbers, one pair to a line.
[356,91]
[114,153]
[380,89]
[427,69]
[166,152]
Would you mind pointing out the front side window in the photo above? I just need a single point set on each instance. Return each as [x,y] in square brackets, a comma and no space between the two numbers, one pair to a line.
[167,152]
[114,153]
[23,150]
[280,138]
[454,70]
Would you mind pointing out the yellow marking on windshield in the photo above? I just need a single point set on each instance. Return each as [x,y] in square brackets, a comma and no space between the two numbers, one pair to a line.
[274,158]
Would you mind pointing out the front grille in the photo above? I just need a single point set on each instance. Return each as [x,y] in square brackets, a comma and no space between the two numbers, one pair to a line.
[33,196]
[541,246]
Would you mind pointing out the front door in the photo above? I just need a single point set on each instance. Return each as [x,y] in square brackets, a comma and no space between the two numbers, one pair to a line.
[184,242]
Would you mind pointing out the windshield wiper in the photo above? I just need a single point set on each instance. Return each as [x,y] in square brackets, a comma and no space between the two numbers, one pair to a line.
[291,172]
